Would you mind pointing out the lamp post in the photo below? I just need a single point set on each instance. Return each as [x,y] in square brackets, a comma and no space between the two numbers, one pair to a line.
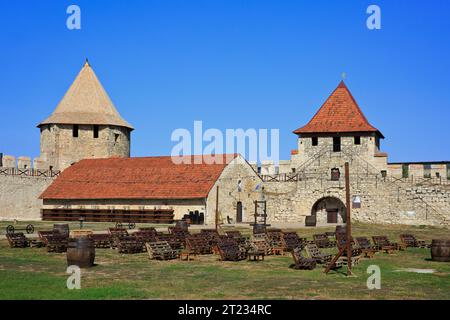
[81,219]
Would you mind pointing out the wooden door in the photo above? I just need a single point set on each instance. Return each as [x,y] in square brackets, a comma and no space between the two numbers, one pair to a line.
[332,215]
[239,212]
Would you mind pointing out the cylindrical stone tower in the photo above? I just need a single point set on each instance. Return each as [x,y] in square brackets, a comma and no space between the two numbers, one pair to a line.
[85,124]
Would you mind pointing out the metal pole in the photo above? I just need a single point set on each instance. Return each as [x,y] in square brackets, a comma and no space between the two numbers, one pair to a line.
[348,220]
[217,205]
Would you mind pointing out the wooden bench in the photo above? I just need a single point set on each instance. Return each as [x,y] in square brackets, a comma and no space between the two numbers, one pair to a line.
[161,250]
[211,235]
[300,262]
[408,240]
[315,253]
[254,255]
[291,240]
[43,236]
[366,247]
[198,244]
[174,242]
[115,232]
[186,255]
[356,251]
[275,238]
[102,240]
[233,233]
[57,243]
[17,240]
[148,229]
[382,243]
[261,244]
[145,236]
[229,250]
[129,244]
[180,234]
[54,240]
[322,241]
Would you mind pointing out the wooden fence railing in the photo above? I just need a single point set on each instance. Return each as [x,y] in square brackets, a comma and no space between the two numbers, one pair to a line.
[29,172]
[294,177]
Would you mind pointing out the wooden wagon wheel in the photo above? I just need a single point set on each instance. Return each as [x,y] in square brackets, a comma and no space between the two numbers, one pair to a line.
[29,228]
[10,229]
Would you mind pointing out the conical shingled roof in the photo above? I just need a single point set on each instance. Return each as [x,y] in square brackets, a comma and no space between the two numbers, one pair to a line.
[339,114]
[86,102]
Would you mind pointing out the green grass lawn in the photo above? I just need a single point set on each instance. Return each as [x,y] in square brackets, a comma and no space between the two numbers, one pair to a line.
[32,273]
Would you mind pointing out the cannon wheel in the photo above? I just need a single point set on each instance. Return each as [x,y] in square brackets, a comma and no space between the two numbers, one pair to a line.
[131,225]
[29,228]
[10,229]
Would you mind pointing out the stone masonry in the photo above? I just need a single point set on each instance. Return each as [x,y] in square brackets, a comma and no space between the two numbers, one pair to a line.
[59,149]
[304,186]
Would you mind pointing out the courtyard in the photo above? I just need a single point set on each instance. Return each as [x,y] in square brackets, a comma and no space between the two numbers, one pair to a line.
[33,273]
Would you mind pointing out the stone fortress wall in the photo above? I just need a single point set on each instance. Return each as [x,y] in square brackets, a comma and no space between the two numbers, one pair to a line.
[293,189]
[21,183]
[86,124]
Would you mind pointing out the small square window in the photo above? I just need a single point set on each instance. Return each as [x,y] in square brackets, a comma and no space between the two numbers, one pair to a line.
[357,140]
[314,141]
[405,170]
[95,131]
[427,170]
[75,131]
[336,144]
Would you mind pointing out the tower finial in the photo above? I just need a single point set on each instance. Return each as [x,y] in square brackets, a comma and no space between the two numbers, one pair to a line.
[87,62]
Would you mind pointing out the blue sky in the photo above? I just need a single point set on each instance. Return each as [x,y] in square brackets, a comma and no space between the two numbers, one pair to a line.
[232,64]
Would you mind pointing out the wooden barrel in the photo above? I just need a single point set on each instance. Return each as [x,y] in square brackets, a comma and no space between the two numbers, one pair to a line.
[440,250]
[310,221]
[81,252]
[63,229]
[181,224]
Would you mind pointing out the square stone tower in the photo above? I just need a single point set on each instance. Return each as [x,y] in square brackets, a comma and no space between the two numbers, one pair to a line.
[339,132]
[85,124]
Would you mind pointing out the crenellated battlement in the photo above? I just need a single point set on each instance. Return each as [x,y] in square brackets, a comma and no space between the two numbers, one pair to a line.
[23,166]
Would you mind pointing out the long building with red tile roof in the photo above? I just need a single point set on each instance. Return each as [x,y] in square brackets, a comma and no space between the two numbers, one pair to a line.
[182,184]
[135,178]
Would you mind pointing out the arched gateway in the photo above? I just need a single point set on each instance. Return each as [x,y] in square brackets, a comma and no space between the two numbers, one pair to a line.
[329,210]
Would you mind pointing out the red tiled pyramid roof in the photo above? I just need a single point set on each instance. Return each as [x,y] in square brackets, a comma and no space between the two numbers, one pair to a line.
[340,113]
[136,178]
